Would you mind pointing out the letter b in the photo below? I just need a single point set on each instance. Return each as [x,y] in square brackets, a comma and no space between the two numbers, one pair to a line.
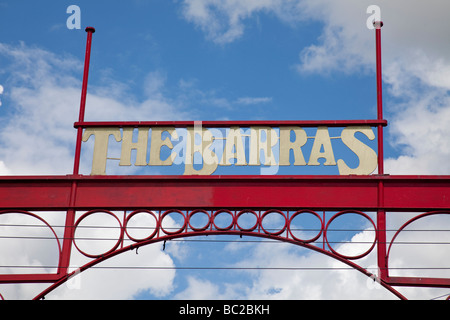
[226,309]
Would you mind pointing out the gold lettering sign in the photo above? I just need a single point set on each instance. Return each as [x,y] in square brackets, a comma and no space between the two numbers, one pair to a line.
[203,150]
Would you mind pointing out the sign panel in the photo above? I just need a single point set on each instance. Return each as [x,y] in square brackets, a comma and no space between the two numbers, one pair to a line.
[203,150]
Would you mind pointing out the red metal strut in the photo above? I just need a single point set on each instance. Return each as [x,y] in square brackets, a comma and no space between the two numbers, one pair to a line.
[273,194]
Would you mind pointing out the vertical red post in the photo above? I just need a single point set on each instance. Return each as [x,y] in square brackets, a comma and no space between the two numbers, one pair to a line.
[378,25]
[76,167]
[381,234]
[69,230]
[381,214]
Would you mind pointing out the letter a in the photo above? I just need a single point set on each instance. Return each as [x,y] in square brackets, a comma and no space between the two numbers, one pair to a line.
[376,16]
[322,139]
[74,21]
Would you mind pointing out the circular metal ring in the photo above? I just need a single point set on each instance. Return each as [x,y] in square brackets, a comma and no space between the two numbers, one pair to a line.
[276,233]
[205,226]
[119,240]
[247,229]
[223,228]
[299,213]
[127,220]
[178,230]
[345,256]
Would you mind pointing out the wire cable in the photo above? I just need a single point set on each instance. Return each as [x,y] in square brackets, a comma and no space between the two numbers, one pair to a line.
[224,241]
[169,228]
[220,268]
[444,295]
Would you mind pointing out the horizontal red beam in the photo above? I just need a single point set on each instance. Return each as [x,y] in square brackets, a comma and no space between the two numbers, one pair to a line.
[419,282]
[228,192]
[227,124]
[30,278]
[35,192]
[401,193]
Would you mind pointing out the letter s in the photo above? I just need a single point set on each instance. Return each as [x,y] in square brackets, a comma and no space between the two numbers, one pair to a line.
[367,157]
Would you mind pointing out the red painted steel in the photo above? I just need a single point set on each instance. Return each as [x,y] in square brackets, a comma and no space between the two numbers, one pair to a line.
[70,216]
[401,193]
[287,196]
[381,214]
[90,31]
[418,282]
[233,229]
[227,124]
[378,25]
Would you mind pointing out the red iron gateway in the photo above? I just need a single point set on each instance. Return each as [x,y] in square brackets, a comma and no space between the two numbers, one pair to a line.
[231,196]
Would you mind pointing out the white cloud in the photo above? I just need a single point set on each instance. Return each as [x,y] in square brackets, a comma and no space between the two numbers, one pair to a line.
[416,67]
[39,138]
[110,284]
[342,283]
[154,83]
[272,284]
[416,63]
[420,131]
[410,28]
[1,92]
[253,100]
[3,169]
[418,247]
[200,289]
[223,21]
[214,99]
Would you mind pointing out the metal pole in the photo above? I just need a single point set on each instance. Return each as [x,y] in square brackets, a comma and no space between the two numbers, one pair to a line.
[378,25]
[76,167]
[381,214]
[69,230]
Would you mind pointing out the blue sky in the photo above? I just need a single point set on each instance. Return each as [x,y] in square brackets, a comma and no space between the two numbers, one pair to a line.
[223,60]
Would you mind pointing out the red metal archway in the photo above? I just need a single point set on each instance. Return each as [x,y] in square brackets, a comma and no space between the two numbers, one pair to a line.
[159,234]
[260,196]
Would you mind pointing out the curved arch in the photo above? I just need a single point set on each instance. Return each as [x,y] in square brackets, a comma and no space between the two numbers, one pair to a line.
[27,213]
[407,223]
[215,232]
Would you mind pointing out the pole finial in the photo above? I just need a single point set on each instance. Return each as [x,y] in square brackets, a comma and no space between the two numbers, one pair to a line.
[377,24]
[90,29]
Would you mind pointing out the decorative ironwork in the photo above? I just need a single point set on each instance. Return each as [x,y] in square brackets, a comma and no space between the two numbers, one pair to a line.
[201,203]
[218,221]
